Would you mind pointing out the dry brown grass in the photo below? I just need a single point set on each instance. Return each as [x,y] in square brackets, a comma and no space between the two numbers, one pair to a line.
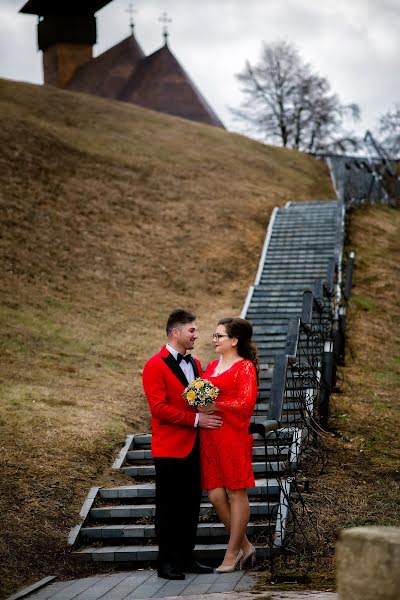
[111,216]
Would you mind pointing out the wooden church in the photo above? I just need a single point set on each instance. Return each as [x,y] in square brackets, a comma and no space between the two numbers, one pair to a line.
[66,35]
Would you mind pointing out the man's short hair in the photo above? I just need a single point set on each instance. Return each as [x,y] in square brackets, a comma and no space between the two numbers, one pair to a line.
[179,317]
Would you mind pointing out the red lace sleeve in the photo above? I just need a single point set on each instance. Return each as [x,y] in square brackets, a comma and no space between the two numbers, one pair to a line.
[240,405]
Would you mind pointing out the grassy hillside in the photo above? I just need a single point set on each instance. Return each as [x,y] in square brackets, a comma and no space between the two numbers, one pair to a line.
[111,216]
[356,479]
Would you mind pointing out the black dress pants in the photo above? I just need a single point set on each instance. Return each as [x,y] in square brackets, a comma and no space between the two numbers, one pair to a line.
[178,496]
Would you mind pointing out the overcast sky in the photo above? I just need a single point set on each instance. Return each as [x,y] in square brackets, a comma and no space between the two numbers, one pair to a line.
[354,43]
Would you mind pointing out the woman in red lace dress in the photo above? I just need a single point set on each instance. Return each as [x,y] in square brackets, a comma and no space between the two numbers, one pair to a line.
[226,452]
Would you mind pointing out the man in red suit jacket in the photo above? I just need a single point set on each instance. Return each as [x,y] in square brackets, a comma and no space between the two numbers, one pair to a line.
[175,447]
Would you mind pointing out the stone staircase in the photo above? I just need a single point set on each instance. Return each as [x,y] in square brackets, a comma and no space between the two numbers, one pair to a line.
[359,179]
[118,523]
[302,240]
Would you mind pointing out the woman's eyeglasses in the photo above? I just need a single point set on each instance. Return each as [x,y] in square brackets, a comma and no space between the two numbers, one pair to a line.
[218,336]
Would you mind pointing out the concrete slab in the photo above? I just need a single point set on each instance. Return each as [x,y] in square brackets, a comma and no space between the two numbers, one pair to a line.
[145,584]
[32,588]
[172,588]
[145,591]
[49,590]
[223,586]
[76,587]
[102,587]
[196,590]
[206,578]
[127,586]
[231,578]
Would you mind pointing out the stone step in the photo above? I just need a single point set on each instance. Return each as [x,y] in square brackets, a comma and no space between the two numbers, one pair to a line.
[295,303]
[140,456]
[268,309]
[128,512]
[302,240]
[122,533]
[142,440]
[144,456]
[287,278]
[277,332]
[261,409]
[283,288]
[282,433]
[323,223]
[286,417]
[273,317]
[290,222]
[264,292]
[304,220]
[271,345]
[270,305]
[281,228]
[298,254]
[311,244]
[148,554]
[147,490]
[149,470]
[291,263]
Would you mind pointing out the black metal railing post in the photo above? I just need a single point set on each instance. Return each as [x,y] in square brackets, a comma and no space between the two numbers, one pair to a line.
[339,337]
[349,275]
[307,309]
[327,378]
[278,387]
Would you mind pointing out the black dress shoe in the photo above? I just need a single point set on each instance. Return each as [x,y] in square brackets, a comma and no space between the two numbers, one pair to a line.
[169,571]
[193,566]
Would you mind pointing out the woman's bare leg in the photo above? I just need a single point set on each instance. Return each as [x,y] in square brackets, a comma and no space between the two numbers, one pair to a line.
[239,518]
[219,499]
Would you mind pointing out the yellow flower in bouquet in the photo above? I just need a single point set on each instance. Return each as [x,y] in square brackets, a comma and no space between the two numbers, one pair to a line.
[200,392]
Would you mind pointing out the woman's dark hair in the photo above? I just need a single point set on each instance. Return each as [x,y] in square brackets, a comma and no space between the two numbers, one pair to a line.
[177,318]
[243,331]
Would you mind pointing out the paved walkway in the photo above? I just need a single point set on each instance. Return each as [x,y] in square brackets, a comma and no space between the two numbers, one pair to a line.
[141,585]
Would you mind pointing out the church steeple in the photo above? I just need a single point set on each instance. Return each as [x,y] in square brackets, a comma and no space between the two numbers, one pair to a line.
[66,35]
[131,12]
[164,19]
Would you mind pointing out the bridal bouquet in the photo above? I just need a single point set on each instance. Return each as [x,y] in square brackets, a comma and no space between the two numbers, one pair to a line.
[200,392]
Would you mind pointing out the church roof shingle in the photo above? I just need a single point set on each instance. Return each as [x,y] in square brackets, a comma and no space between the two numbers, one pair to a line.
[160,83]
[107,74]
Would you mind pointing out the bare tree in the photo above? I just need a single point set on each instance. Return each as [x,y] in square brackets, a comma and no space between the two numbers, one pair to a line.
[389,131]
[288,104]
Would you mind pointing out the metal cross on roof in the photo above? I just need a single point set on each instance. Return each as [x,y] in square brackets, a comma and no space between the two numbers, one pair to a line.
[131,11]
[164,19]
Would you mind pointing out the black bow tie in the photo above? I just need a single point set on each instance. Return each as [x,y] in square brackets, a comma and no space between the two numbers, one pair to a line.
[180,357]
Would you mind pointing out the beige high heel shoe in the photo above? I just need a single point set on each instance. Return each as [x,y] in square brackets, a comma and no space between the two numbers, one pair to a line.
[249,555]
[230,568]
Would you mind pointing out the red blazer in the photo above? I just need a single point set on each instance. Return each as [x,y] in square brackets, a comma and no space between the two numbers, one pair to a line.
[172,419]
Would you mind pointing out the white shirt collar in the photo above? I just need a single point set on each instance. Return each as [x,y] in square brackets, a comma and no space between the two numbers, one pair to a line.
[172,351]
